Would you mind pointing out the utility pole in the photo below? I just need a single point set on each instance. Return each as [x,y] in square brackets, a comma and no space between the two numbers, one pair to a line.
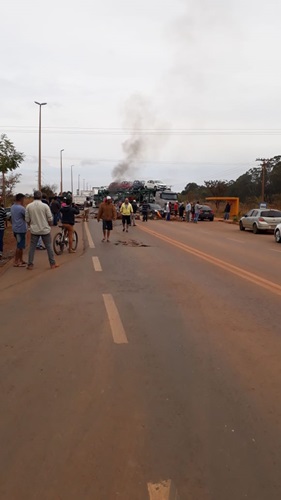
[264,164]
[40,104]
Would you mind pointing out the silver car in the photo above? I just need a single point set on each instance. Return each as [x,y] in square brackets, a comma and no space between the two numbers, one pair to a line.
[260,219]
[277,233]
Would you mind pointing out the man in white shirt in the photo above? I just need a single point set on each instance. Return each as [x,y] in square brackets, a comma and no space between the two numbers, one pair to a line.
[39,218]
[187,211]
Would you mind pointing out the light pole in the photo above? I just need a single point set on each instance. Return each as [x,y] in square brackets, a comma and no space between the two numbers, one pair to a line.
[40,104]
[72,180]
[61,171]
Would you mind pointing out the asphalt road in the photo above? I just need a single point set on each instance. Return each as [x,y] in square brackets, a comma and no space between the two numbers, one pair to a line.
[144,372]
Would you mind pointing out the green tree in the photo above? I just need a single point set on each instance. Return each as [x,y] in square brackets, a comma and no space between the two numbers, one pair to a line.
[49,189]
[10,159]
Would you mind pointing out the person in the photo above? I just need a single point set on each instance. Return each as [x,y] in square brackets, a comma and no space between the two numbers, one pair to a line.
[144,210]
[176,207]
[168,211]
[55,209]
[86,212]
[227,211]
[39,218]
[196,212]
[68,220]
[135,209]
[40,245]
[192,211]
[181,211]
[187,211]
[107,212]
[3,218]
[126,210]
[19,229]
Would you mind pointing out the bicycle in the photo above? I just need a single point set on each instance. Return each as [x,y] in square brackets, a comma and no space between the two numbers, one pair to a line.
[60,241]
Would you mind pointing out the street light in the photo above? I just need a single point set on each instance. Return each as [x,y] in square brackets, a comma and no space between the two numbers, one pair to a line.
[72,180]
[40,104]
[61,171]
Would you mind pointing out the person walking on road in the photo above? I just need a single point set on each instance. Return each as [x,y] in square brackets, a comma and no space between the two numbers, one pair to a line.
[126,210]
[196,212]
[107,212]
[135,208]
[168,211]
[39,218]
[19,228]
[144,211]
[187,211]
[3,218]
[181,211]
[86,212]
[68,220]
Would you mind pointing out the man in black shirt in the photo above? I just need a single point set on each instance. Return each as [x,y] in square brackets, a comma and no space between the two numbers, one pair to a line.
[68,220]
[144,210]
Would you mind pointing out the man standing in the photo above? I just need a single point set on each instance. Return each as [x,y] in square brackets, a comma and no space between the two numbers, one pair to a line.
[3,218]
[55,209]
[87,205]
[168,211]
[126,210]
[227,211]
[68,221]
[39,217]
[144,211]
[196,212]
[19,228]
[135,208]
[107,213]
[187,211]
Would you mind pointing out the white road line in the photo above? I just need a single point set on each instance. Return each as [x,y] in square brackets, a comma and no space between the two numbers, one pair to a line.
[89,237]
[117,329]
[275,250]
[96,264]
[162,491]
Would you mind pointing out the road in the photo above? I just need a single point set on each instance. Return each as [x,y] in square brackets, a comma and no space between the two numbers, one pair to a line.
[144,372]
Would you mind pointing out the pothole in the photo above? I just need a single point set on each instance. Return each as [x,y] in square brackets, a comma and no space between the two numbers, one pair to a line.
[130,243]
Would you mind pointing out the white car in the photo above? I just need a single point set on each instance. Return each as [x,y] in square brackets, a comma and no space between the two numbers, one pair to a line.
[277,233]
[155,185]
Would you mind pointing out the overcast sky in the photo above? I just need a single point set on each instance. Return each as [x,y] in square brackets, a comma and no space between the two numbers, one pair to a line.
[196,83]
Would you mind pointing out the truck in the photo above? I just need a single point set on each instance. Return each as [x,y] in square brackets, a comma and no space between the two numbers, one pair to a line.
[163,197]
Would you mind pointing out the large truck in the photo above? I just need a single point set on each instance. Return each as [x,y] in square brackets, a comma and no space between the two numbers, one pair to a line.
[163,197]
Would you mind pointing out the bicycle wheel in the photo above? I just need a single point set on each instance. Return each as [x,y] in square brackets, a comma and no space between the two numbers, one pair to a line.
[58,244]
[74,240]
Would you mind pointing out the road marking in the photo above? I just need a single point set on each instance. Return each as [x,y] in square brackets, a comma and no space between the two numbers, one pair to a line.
[275,250]
[96,264]
[117,329]
[162,491]
[89,237]
[238,271]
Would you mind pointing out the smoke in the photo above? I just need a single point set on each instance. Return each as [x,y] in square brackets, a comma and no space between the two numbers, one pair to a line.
[141,121]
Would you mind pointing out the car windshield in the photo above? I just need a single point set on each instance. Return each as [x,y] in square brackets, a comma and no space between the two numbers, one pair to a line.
[205,207]
[271,213]
[169,196]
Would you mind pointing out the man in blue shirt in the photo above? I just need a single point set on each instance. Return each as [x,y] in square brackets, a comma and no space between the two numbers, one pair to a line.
[19,228]
[3,218]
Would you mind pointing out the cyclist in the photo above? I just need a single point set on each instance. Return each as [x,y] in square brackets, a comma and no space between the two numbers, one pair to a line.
[68,220]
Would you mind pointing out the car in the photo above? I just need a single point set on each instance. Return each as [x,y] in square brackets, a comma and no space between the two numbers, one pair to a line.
[154,210]
[206,212]
[260,219]
[137,185]
[277,233]
[155,185]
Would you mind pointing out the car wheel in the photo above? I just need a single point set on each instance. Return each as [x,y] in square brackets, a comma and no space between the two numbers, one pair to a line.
[277,236]
[241,226]
[255,229]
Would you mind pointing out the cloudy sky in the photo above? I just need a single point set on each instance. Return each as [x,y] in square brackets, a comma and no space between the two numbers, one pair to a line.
[194,84]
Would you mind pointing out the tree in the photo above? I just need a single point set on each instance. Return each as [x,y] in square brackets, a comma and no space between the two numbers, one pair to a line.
[10,159]
[10,182]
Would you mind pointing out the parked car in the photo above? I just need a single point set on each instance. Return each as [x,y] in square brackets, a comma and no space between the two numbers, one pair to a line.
[260,220]
[277,233]
[154,209]
[155,185]
[206,213]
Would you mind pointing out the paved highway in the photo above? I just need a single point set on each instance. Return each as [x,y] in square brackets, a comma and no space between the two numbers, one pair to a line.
[144,372]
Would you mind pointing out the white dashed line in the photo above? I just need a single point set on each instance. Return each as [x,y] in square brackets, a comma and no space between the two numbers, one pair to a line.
[89,237]
[162,491]
[117,329]
[96,264]
[275,250]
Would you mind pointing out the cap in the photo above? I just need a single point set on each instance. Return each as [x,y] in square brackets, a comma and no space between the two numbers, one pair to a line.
[108,197]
